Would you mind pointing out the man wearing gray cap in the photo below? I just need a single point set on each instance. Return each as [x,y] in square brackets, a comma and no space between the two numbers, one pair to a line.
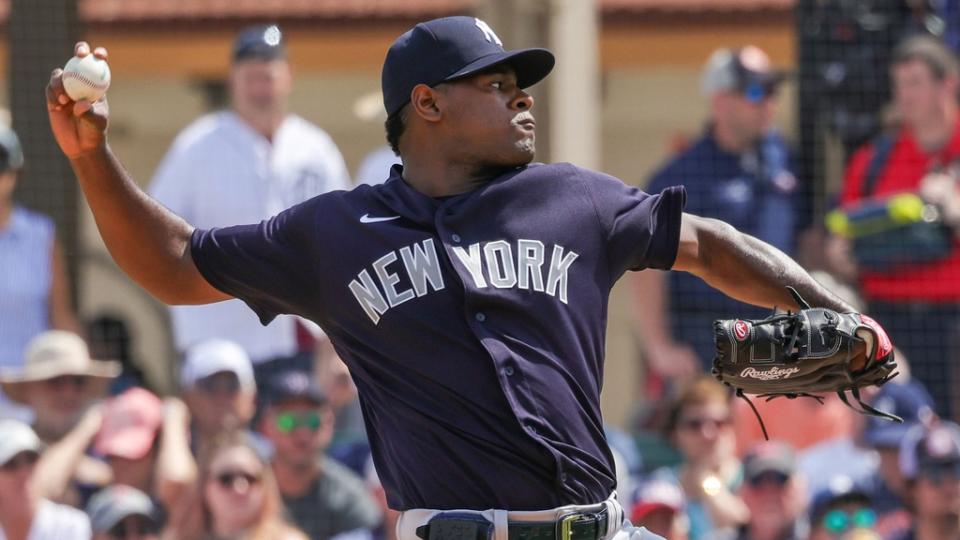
[23,513]
[773,492]
[737,171]
[122,512]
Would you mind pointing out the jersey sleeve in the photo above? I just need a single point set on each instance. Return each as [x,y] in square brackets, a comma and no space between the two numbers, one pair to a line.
[642,230]
[271,265]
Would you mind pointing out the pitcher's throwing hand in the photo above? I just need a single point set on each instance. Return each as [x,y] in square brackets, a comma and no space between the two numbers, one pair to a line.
[79,126]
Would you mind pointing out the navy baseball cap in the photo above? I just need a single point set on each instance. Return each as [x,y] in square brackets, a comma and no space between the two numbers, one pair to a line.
[293,385]
[260,43]
[444,49]
[908,400]
[924,448]
[840,490]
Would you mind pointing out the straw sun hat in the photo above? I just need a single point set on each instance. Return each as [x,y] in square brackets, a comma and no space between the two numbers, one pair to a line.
[54,354]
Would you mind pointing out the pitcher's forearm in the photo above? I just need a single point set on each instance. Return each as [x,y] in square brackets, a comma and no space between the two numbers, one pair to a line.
[149,242]
[755,272]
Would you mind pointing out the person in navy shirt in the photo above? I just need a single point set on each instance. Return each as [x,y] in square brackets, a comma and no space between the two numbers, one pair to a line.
[738,172]
[468,294]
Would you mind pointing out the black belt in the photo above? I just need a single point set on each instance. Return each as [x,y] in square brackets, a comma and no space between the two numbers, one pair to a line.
[460,526]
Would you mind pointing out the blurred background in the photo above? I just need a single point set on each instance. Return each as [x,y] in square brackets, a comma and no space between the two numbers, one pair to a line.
[625,97]
[829,128]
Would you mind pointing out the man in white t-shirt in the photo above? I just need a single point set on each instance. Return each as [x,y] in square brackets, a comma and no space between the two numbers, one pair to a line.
[243,165]
[23,513]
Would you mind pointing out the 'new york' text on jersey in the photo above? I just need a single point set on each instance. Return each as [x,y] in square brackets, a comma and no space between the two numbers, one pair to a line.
[490,265]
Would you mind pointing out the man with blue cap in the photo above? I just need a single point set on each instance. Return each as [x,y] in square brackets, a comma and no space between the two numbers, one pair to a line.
[930,465]
[468,294]
[243,164]
[887,487]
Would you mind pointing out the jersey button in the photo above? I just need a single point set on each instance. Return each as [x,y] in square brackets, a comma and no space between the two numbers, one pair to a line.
[480,317]
[508,371]
[455,238]
[563,477]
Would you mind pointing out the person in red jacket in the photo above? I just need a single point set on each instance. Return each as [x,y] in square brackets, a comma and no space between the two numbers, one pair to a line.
[919,302]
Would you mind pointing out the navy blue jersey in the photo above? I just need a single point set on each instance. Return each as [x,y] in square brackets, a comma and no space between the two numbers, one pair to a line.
[473,325]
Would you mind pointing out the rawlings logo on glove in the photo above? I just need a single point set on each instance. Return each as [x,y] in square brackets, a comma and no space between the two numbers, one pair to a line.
[769,374]
[812,351]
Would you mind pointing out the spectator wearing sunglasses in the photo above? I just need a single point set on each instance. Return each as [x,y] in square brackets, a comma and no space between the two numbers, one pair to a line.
[843,510]
[774,492]
[219,389]
[324,498]
[23,512]
[699,425]
[738,171]
[123,513]
[930,463]
[236,496]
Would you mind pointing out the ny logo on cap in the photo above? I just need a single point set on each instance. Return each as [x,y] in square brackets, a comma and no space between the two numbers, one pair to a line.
[488,32]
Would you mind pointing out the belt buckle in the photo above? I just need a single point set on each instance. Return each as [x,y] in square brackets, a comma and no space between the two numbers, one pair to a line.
[565,525]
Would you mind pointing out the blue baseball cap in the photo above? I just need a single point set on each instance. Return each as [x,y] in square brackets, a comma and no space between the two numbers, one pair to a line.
[259,43]
[294,384]
[924,448]
[908,400]
[841,489]
[449,48]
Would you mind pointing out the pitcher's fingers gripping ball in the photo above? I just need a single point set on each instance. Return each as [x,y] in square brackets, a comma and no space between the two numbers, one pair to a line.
[811,351]
[86,77]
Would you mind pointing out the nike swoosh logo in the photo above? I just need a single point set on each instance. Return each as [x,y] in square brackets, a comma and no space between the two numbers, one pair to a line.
[367,219]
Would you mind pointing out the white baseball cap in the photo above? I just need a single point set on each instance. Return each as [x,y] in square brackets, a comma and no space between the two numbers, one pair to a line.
[16,437]
[214,356]
[746,70]
[113,504]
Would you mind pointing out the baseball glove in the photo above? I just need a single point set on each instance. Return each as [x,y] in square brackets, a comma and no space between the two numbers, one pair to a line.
[814,350]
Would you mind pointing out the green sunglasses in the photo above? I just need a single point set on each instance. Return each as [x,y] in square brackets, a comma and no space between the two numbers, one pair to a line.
[838,521]
[288,422]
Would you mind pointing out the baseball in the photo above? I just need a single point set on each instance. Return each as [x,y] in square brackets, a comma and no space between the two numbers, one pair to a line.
[86,78]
